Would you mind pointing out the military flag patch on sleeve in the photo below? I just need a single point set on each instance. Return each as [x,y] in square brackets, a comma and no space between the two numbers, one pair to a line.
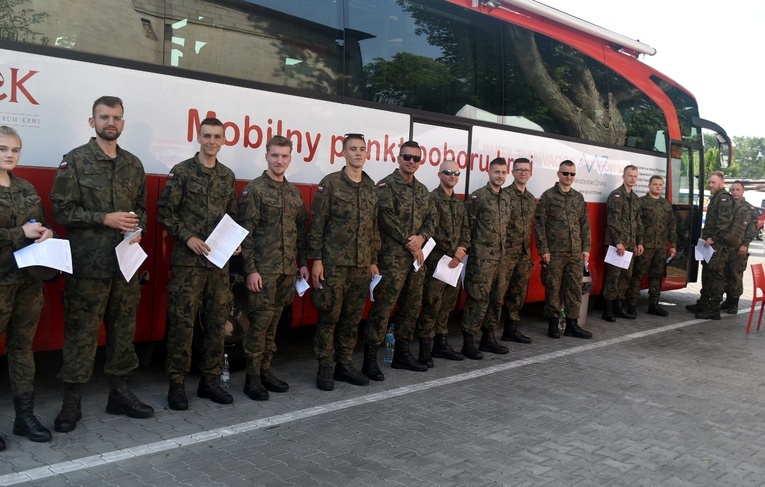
[170,176]
[320,189]
[245,193]
[63,165]
[381,185]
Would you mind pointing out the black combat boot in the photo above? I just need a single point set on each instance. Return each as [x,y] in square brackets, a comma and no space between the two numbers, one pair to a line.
[273,383]
[696,307]
[370,367]
[655,309]
[442,349]
[725,304]
[254,389]
[71,410]
[26,423]
[708,314]
[123,401]
[490,344]
[733,308]
[574,330]
[348,373]
[2,444]
[621,313]
[402,359]
[176,396]
[469,349]
[426,349]
[511,333]
[630,310]
[211,388]
[552,328]
[608,310]
[324,380]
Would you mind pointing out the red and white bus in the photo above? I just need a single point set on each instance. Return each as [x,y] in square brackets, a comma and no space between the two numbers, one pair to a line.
[469,79]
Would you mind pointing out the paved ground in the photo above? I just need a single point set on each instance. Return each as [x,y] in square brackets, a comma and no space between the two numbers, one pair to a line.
[656,401]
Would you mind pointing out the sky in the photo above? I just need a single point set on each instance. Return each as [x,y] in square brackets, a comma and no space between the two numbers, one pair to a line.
[715,50]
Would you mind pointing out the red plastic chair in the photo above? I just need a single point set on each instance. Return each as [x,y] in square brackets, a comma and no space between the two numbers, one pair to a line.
[758,276]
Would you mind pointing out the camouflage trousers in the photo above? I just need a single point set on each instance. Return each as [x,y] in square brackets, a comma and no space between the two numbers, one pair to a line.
[20,307]
[518,267]
[713,279]
[438,299]
[485,286]
[346,289]
[265,311]
[617,280]
[654,263]
[563,278]
[734,273]
[399,285]
[189,289]
[86,303]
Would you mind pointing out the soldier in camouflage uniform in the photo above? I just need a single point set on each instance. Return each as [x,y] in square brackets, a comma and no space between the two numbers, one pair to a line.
[563,242]
[406,223]
[489,211]
[198,193]
[744,224]
[518,261]
[272,210]
[717,231]
[22,222]
[624,230]
[344,242]
[99,194]
[452,237]
[658,228]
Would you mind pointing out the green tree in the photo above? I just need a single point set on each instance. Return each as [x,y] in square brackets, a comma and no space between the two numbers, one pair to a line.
[16,22]
[749,154]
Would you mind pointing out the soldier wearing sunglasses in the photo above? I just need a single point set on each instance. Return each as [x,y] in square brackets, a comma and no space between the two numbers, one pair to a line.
[405,225]
[562,226]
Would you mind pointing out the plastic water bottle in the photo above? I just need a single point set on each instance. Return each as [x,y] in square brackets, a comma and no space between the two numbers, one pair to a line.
[224,371]
[562,321]
[390,343]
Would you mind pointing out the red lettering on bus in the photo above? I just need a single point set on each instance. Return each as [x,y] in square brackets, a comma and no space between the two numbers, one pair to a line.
[231,141]
[335,152]
[194,122]
[248,130]
[18,85]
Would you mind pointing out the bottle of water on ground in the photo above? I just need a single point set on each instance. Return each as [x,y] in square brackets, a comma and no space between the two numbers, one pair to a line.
[562,321]
[225,371]
[390,343]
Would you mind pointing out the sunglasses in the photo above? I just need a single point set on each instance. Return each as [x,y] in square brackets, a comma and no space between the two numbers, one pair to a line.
[410,157]
[354,136]
[449,172]
[566,173]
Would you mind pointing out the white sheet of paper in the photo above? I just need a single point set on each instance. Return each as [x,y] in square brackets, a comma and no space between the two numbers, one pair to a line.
[462,273]
[702,252]
[224,240]
[301,286]
[53,252]
[617,260]
[426,250]
[130,258]
[375,280]
[444,273]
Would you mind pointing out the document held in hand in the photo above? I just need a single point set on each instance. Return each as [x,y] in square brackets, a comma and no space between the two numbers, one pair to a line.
[52,252]
[224,240]
[617,260]
[446,274]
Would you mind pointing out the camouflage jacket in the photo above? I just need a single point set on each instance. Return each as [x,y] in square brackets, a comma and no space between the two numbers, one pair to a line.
[623,222]
[489,213]
[719,216]
[192,203]
[519,231]
[562,222]
[404,212]
[344,222]
[743,228]
[659,226]
[19,203]
[88,185]
[274,214]
[453,227]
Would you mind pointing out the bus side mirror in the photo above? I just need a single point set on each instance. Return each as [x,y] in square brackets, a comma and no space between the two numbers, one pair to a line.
[723,149]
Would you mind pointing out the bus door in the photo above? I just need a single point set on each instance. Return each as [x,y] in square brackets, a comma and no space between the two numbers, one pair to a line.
[440,143]
[686,192]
